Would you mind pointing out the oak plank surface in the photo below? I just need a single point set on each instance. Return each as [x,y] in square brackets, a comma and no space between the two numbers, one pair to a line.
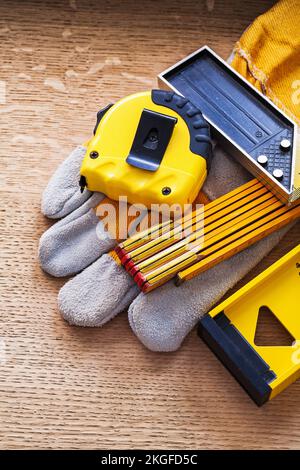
[67,387]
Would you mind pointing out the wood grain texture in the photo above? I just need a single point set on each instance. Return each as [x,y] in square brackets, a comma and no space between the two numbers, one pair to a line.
[67,387]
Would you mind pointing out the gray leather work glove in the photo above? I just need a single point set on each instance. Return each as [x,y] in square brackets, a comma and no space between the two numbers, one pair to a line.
[78,245]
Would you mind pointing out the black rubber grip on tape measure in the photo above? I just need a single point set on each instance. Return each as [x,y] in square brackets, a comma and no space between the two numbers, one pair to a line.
[200,140]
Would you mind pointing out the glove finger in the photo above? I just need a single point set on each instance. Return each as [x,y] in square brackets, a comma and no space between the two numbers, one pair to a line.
[97,294]
[224,175]
[74,242]
[162,318]
[62,194]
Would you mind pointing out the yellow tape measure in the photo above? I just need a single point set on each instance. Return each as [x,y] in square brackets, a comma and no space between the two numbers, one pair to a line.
[152,147]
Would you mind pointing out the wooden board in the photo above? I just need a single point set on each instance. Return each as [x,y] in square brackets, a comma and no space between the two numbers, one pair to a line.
[67,387]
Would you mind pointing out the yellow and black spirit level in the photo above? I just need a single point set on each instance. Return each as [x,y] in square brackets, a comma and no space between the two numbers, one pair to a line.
[229,330]
[152,147]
